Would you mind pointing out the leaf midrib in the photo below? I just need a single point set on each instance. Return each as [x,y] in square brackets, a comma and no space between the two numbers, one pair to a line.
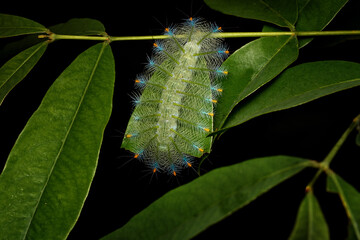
[65,138]
[310,218]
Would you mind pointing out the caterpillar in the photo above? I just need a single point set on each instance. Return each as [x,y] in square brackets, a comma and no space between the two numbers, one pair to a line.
[174,114]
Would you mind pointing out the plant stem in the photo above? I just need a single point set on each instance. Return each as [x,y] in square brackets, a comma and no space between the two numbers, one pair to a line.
[309,187]
[340,142]
[327,33]
[53,36]
[299,34]
[324,165]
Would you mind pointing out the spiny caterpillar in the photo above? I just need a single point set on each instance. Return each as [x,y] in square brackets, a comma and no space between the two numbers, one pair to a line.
[174,114]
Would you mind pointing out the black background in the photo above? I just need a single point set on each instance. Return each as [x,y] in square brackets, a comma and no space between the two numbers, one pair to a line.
[121,188]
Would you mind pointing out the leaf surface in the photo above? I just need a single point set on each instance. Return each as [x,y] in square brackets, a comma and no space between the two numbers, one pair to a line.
[48,173]
[79,26]
[16,69]
[295,86]
[310,222]
[279,12]
[187,210]
[11,25]
[350,198]
[315,15]
[252,66]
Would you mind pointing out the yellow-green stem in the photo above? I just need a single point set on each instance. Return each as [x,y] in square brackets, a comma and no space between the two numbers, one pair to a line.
[324,165]
[340,142]
[54,36]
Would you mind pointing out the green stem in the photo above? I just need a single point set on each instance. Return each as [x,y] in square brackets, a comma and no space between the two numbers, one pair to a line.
[324,165]
[339,143]
[272,34]
[76,37]
[327,33]
[53,36]
[309,187]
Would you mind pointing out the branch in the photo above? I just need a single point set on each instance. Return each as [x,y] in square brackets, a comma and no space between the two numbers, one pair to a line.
[53,36]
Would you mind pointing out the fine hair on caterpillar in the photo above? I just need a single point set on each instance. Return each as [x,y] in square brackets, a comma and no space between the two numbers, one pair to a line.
[174,114]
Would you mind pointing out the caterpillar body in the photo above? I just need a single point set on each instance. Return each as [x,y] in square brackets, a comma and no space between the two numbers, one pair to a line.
[174,114]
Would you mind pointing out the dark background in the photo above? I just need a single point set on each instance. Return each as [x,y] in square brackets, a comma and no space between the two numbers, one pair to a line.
[121,188]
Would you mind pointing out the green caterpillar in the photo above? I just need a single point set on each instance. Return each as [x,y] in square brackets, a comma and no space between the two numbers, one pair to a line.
[174,114]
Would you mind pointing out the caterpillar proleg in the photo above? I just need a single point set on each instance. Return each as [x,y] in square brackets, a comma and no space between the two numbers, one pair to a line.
[174,114]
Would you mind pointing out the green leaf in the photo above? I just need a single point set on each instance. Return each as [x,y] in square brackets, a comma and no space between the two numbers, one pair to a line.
[310,221]
[15,70]
[302,4]
[350,198]
[252,66]
[297,85]
[79,26]
[187,210]
[315,15]
[280,12]
[11,25]
[272,28]
[76,26]
[12,48]
[49,170]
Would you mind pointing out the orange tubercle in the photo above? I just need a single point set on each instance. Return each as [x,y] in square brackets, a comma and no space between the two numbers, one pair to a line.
[219,90]
[211,114]
[189,164]
[214,100]
[206,129]
[174,173]
[136,155]
[201,150]
[128,135]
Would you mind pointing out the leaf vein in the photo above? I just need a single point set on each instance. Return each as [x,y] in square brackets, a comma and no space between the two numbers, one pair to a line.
[66,136]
